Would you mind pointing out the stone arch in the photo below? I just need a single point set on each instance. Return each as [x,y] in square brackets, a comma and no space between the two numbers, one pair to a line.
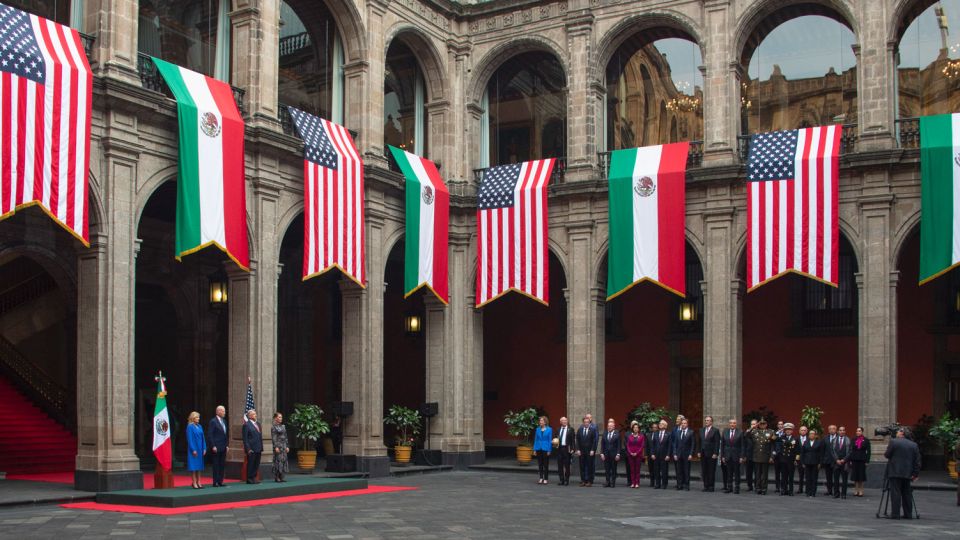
[600,255]
[430,61]
[95,209]
[349,23]
[759,19]
[287,219]
[391,239]
[52,263]
[904,12]
[903,234]
[655,25]
[846,231]
[488,65]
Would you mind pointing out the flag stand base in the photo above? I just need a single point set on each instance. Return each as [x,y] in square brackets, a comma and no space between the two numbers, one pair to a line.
[162,478]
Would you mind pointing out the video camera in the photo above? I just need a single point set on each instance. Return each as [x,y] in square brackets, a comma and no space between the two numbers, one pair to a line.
[890,430]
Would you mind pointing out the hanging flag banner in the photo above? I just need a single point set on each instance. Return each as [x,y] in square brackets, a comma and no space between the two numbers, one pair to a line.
[161,426]
[939,195]
[512,231]
[46,91]
[792,224]
[428,215]
[647,212]
[333,199]
[211,196]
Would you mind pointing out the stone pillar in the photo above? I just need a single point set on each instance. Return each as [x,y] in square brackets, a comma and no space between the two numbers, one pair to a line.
[255,53]
[243,363]
[721,117]
[106,459]
[876,72]
[455,164]
[454,365]
[722,336]
[581,132]
[371,101]
[585,328]
[877,283]
[115,48]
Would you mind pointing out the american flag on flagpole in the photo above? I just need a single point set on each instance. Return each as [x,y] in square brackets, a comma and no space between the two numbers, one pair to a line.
[792,226]
[512,231]
[249,405]
[46,89]
[333,235]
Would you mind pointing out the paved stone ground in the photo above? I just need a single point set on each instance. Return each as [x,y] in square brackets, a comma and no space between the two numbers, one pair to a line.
[506,506]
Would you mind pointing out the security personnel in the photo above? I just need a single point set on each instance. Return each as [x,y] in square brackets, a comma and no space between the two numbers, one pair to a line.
[763,440]
[787,455]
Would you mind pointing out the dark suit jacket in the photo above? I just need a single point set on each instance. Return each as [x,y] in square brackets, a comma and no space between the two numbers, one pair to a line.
[709,444]
[827,457]
[812,452]
[682,447]
[837,453]
[731,450]
[610,446]
[568,441]
[787,448]
[252,439]
[648,436]
[587,441]
[218,436]
[903,458]
[659,448]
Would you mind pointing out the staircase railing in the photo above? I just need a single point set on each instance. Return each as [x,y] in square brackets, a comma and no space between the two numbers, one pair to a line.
[46,393]
[24,291]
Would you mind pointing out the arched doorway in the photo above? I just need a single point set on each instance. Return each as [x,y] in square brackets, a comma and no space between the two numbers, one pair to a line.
[928,59]
[524,358]
[311,60]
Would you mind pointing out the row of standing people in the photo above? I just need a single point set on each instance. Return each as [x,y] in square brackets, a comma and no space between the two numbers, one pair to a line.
[743,455]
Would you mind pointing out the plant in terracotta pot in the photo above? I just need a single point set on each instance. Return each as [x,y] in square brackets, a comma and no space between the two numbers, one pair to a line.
[407,421]
[307,420]
[811,416]
[521,424]
[946,431]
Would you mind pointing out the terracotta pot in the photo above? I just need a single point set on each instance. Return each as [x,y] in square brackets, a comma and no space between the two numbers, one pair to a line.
[952,468]
[524,455]
[402,453]
[307,459]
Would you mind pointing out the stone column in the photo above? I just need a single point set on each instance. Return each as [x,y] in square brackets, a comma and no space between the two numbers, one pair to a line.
[585,327]
[721,117]
[581,132]
[242,363]
[722,300]
[255,56]
[106,459]
[371,101]
[455,164]
[115,48]
[876,99]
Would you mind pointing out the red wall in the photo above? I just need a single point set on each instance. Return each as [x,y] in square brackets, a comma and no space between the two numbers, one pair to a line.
[786,372]
[915,347]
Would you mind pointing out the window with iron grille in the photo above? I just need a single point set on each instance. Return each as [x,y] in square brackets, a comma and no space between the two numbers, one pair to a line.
[826,307]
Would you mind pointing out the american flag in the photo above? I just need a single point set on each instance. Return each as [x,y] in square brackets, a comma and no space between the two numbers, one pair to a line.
[46,88]
[512,231]
[333,198]
[792,179]
[249,405]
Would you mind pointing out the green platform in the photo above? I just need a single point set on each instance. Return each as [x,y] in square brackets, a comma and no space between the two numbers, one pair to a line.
[231,492]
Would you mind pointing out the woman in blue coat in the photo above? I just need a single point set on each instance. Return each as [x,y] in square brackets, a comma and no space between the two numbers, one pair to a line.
[542,444]
[196,448]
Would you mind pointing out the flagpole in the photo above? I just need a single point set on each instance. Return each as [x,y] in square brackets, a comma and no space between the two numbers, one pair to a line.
[162,476]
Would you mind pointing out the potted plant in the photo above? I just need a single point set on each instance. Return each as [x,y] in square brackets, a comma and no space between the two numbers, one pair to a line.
[522,424]
[646,414]
[946,431]
[811,416]
[407,422]
[307,419]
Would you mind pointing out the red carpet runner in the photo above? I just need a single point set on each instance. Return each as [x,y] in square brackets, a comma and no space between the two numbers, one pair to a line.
[31,441]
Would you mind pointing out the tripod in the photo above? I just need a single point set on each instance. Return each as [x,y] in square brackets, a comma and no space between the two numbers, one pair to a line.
[885,500]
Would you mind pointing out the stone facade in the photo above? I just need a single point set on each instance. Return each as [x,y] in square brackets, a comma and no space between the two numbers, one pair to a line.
[459,46]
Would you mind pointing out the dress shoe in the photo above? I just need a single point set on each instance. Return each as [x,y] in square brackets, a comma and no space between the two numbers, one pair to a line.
[251,482]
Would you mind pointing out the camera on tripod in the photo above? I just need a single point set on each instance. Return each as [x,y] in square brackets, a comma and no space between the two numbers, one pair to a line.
[890,430]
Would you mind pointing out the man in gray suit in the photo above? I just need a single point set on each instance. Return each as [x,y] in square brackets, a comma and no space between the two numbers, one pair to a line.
[840,453]
[903,467]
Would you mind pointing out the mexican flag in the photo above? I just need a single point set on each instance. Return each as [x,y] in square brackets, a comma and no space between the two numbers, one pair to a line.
[939,195]
[161,427]
[428,213]
[647,196]
[211,201]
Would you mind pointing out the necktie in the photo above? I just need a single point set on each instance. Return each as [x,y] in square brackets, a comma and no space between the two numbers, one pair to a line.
[256,426]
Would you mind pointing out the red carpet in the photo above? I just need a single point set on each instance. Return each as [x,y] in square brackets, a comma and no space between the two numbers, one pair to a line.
[31,441]
[179,480]
[226,506]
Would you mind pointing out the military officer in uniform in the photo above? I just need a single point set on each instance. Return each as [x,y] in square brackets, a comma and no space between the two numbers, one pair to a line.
[787,452]
[762,440]
[748,453]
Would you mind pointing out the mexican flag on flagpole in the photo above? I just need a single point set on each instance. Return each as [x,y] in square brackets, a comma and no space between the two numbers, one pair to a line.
[161,427]
[211,198]
[428,214]
[939,195]
[647,196]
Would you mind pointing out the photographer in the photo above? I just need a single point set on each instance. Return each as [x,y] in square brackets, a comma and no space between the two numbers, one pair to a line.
[903,467]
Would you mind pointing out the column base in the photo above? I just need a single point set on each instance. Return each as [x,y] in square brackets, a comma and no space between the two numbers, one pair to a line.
[107,480]
[374,466]
[463,460]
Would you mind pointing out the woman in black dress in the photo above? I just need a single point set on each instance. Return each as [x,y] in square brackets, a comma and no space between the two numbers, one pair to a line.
[859,457]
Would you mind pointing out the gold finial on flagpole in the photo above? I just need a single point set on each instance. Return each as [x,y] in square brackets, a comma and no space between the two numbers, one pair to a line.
[162,380]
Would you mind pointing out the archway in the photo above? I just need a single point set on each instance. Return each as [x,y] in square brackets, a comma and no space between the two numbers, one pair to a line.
[524,358]
[928,60]
[311,58]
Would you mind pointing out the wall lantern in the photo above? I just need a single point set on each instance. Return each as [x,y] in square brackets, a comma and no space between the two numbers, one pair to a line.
[688,311]
[218,292]
[412,324]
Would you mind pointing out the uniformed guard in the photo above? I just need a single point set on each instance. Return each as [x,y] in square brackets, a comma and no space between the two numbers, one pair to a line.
[763,441]
[787,453]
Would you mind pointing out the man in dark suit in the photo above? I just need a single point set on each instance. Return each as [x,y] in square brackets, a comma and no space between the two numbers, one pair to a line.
[586,450]
[610,453]
[787,451]
[709,450]
[801,470]
[748,453]
[828,462]
[811,457]
[565,449]
[776,463]
[682,451]
[252,445]
[660,454]
[651,466]
[673,439]
[218,433]
[840,454]
[903,467]
[731,456]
